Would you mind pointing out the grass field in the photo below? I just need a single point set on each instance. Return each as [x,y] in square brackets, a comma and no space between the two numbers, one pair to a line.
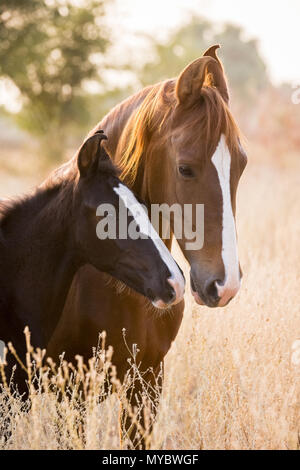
[232,375]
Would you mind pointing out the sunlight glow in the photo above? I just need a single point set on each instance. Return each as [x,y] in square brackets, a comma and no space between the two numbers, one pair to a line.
[274,24]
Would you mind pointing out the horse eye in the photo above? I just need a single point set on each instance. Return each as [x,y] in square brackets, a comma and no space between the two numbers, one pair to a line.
[186,171]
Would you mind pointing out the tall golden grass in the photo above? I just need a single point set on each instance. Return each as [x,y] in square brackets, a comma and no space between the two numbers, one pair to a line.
[232,379]
[232,375]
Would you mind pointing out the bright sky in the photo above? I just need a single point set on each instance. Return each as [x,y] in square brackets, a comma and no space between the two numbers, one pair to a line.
[274,23]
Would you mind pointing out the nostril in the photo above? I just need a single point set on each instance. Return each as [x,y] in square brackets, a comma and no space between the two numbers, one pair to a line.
[171,296]
[212,290]
[218,283]
[177,288]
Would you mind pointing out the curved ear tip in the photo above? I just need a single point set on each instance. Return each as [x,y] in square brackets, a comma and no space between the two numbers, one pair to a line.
[211,51]
[100,133]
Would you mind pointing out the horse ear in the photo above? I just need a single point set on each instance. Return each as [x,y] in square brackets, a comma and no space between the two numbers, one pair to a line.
[211,52]
[91,153]
[206,70]
[219,78]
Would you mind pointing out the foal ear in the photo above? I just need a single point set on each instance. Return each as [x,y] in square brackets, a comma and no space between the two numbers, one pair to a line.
[91,153]
[206,70]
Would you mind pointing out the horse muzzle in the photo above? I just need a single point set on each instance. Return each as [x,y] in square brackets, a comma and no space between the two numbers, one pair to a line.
[213,292]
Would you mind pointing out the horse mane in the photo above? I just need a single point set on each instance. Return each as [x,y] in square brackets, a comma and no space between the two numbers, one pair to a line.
[160,111]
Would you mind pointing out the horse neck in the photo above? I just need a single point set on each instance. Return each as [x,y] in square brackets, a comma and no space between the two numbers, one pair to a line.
[40,261]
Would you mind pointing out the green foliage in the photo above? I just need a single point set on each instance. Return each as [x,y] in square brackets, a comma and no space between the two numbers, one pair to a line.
[50,48]
[244,67]
[46,48]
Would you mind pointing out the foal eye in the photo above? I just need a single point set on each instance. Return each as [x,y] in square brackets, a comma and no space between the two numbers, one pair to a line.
[186,171]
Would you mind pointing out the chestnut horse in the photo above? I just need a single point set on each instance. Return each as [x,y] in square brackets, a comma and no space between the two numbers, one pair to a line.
[176,142]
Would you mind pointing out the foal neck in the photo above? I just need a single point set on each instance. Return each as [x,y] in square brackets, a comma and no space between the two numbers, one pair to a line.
[40,258]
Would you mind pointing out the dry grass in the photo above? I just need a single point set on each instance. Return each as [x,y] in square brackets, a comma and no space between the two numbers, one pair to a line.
[232,375]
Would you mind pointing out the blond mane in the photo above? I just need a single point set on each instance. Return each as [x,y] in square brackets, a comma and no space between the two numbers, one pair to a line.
[210,113]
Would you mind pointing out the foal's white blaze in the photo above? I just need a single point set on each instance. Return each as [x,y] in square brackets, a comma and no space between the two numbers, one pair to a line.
[222,161]
[141,218]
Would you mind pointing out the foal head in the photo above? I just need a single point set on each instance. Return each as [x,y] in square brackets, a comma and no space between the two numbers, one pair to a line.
[190,142]
[142,263]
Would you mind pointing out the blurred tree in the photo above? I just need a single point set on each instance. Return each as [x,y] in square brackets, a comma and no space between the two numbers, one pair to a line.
[185,45]
[49,48]
[244,67]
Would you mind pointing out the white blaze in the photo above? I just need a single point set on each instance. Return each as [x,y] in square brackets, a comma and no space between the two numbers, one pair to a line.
[222,161]
[141,218]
